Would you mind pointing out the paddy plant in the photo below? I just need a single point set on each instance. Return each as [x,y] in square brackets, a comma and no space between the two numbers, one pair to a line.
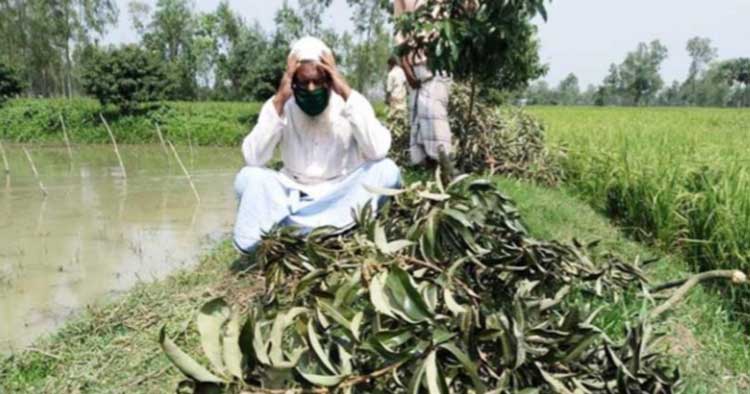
[679,177]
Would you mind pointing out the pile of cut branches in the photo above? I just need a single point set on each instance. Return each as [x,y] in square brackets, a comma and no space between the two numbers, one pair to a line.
[506,141]
[443,292]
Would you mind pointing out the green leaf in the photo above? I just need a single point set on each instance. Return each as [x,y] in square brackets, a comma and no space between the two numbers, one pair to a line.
[379,237]
[397,246]
[378,297]
[415,383]
[434,196]
[334,314]
[406,295]
[282,321]
[458,216]
[382,191]
[451,304]
[356,324]
[322,355]
[210,320]
[469,366]
[322,380]
[556,385]
[346,360]
[259,344]
[186,364]
[433,376]
[231,346]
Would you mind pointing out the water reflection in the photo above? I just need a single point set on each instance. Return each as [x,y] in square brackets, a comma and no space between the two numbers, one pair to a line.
[97,233]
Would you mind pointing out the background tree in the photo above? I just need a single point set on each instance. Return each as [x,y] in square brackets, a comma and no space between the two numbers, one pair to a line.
[639,73]
[610,90]
[539,93]
[10,83]
[126,77]
[485,42]
[40,38]
[738,72]
[672,95]
[568,90]
[368,48]
[702,53]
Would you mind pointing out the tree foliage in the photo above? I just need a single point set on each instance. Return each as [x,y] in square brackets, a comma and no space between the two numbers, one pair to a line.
[10,84]
[126,77]
[484,41]
[639,73]
[40,38]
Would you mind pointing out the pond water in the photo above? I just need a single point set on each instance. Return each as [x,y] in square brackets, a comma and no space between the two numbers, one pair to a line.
[97,233]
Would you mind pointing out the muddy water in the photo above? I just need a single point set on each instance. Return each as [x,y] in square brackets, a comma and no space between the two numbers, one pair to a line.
[96,233]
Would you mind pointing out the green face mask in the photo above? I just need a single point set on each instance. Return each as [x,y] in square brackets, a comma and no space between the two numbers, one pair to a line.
[313,102]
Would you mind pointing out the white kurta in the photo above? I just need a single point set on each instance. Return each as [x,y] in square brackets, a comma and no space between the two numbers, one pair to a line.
[318,149]
[328,160]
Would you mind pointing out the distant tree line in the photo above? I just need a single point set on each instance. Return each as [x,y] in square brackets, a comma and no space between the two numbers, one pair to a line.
[53,49]
[637,81]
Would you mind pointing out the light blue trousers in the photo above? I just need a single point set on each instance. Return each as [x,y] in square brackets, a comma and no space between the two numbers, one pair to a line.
[266,199]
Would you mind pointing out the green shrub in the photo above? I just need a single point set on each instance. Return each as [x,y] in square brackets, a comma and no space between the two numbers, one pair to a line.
[216,124]
[10,83]
[126,77]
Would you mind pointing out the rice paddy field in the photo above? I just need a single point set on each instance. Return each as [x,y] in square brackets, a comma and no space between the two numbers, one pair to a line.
[677,177]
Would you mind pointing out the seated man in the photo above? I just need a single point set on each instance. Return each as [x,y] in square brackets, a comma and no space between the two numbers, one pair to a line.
[331,145]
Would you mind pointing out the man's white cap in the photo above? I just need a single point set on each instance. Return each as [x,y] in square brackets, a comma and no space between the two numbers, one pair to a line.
[309,49]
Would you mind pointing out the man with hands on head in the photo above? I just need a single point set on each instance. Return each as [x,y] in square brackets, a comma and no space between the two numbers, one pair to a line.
[331,146]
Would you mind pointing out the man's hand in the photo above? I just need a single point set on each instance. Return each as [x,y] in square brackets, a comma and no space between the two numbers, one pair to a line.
[284,91]
[338,83]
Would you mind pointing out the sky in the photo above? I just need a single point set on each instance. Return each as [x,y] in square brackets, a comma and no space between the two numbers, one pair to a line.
[581,36]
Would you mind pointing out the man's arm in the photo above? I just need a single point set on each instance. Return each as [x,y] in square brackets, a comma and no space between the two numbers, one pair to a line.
[258,146]
[411,78]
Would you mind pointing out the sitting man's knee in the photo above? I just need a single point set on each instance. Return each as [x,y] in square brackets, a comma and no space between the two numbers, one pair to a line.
[390,172]
[251,174]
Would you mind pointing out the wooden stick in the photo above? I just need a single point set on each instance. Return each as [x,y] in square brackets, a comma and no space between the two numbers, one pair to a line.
[161,139]
[190,144]
[65,137]
[187,174]
[5,159]
[737,277]
[114,142]
[36,173]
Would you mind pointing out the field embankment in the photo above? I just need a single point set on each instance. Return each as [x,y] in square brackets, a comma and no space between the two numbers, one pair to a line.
[113,348]
[199,123]
[677,176]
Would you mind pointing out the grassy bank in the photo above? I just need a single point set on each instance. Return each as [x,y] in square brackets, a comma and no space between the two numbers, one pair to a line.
[679,176]
[202,123]
[113,348]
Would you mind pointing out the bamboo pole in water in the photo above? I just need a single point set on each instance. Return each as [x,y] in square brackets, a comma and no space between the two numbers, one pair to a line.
[161,139]
[114,143]
[65,137]
[187,174]
[36,173]
[190,144]
[5,159]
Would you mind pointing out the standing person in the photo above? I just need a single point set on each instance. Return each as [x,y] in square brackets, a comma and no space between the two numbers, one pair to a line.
[428,103]
[395,88]
[331,144]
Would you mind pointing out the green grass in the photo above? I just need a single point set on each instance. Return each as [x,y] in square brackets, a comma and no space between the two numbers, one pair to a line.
[201,123]
[112,348]
[678,177]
